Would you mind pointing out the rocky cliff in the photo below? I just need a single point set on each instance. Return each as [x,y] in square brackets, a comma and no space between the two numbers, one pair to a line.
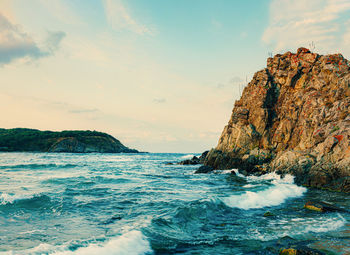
[293,117]
[22,139]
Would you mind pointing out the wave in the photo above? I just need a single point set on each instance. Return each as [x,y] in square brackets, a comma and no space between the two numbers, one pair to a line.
[189,156]
[37,166]
[282,189]
[24,200]
[130,243]
[299,227]
[6,198]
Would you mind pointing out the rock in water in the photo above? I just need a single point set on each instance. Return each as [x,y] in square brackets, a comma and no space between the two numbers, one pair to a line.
[204,170]
[293,117]
[300,251]
[192,161]
[195,160]
[322,207]
[268,214]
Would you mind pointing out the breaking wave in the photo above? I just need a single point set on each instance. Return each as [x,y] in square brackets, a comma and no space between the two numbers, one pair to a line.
[130,243]
[281,190]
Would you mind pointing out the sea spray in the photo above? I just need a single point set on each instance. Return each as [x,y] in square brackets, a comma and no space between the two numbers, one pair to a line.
[279,192]
[130,243]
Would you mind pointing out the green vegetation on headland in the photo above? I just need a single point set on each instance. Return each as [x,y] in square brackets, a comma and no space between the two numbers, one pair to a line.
[23,139]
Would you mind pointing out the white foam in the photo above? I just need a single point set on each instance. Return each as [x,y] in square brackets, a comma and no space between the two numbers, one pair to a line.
[131,243]
[249,186]
[275,178]
[302,226]
[222,171]
[6,198]
[326,225]
[237,173]
[281,190]
[189,156]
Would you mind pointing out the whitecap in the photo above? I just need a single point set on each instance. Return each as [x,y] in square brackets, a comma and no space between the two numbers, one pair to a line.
[189,156]
[6,198]
[222,171]
[238,173]
[281,190]
[326,225]
[130,243]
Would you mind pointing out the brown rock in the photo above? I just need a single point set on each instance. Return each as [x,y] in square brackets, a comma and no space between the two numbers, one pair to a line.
[297,109]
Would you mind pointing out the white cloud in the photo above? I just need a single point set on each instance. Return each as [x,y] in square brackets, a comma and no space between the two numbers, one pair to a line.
[296,23]
[16,44]
[120,18]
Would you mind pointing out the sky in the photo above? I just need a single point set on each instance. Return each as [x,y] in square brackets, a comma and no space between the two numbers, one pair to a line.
[160,76]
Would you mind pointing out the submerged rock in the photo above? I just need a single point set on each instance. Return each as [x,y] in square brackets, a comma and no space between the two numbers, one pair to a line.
[300,251]
[293,117]
[268,214]
[322,207]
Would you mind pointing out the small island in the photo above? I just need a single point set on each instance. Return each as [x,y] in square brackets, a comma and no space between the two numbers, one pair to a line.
[77,141]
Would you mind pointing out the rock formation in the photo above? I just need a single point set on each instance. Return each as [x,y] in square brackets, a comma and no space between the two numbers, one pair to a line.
[293,117]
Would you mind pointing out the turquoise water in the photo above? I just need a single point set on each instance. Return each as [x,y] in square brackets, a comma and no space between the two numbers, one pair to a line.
[137,204]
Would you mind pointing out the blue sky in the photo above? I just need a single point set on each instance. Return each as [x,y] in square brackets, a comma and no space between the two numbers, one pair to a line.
[161,76]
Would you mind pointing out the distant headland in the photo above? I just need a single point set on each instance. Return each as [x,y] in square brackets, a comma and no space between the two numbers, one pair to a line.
[75,141]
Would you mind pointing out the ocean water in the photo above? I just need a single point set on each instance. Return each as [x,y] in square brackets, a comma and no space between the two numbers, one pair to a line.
[137,204]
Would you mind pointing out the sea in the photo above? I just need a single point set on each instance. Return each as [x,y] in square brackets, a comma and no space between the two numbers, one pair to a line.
[130,204]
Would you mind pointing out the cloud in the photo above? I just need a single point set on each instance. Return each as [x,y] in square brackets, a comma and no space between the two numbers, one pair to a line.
[159,100]
[82,111]
[119,18]
[53,41]
[16,44]
[295,23]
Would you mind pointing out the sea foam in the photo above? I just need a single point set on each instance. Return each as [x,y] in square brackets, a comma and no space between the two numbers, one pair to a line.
[278,193]
[189,156]
[130,243]
[6,198]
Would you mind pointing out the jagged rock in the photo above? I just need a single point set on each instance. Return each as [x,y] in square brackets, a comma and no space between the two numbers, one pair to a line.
[204,170]
[295,112]
[192,161]
[203,156]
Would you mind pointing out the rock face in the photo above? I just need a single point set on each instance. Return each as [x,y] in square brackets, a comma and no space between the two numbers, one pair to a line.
[23,139]
[293,117]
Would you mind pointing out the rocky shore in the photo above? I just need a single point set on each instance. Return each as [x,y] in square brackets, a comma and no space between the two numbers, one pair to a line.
[293,117]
